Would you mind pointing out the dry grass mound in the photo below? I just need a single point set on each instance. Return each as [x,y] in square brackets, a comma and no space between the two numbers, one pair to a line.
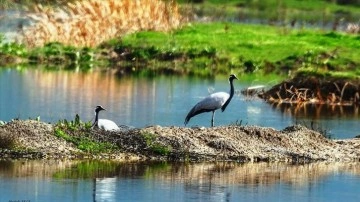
[252,143]
[35,136]
[90,22]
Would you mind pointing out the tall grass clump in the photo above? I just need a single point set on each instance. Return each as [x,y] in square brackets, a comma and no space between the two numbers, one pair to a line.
[90,22]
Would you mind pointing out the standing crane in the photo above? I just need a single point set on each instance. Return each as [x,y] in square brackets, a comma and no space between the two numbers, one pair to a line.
[213,102]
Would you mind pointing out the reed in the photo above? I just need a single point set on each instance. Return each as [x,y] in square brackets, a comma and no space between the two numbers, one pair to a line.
[91,22]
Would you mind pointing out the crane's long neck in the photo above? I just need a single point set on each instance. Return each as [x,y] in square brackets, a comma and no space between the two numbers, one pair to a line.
[96,119]
[232,91]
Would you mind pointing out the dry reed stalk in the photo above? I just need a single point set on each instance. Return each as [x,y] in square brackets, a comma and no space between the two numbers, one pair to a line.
[279,97]
[337,86]
[356,97]
[343,90]
[91,22]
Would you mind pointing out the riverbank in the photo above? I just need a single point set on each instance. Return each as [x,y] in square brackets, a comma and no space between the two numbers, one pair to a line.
[190,50]
[33,140]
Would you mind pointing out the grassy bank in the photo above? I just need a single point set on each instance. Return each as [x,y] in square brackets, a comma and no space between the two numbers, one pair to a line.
[209,49]
[201,49]
[251,42]
[219,48]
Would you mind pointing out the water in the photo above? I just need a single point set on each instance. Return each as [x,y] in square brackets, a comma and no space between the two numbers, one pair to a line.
[140,101]
[51,180]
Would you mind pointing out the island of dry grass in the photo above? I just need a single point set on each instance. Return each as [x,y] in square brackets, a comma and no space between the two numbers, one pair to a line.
[294,144]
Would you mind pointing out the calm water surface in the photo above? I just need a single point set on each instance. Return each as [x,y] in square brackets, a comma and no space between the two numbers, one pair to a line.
[164,100]
[110,181]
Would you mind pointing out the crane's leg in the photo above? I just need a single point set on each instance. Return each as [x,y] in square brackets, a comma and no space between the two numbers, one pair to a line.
[212,119]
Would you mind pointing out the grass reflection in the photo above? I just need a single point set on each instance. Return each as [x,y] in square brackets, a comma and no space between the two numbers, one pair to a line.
[219,173]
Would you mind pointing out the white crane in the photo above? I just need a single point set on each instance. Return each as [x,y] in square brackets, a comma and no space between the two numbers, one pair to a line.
[104,123]
[213,102]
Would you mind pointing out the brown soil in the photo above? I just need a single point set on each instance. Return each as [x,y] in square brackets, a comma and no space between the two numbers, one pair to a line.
[230,143]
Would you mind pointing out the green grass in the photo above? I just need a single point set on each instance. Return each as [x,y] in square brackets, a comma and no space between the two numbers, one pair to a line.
[233,47]
[155,147]
[251,42]
[79,133]
[209,49]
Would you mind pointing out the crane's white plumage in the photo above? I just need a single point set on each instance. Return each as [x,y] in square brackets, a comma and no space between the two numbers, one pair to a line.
[104,124]
[107,124]
[212,102]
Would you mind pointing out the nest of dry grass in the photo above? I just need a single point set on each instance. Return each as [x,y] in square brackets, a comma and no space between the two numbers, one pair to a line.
[91,22]
[314,90]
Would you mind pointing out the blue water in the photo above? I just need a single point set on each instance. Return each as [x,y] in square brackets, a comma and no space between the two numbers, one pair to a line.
[90,181]
[163,100]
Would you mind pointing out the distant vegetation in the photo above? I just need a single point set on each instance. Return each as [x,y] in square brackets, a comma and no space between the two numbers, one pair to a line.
[209,49]
[152,37]
[277,10]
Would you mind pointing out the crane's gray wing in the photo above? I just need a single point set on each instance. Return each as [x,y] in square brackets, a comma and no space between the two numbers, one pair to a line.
[208,104]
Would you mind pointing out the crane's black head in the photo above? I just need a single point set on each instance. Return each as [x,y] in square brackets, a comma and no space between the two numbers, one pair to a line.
[99,108]
[232,77]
